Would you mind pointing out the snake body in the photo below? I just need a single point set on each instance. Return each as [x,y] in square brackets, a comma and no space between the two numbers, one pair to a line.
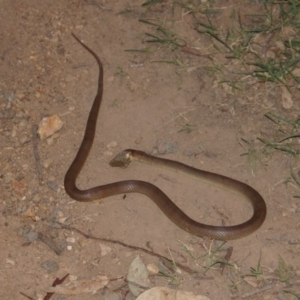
[173,212]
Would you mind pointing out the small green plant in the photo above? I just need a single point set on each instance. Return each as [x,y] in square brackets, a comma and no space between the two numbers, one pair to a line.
[284,271]
[170,271]
[213,259]
[253,154]
[163,36]
[152,2]
[264,45]
[187,128]
[287,131]
[297,295]
[257,272]
[121,74]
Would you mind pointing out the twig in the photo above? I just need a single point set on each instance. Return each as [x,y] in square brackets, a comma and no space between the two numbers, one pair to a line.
[193,51]
[49,242]
[28,297]
[56,282]
[185,268]
[257,291]
[36,154]
[227,258]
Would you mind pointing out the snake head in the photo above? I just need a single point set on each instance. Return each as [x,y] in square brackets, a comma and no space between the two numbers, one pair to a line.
[122,160]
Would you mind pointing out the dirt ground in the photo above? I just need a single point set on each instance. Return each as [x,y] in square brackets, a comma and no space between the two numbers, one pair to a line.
[149,106]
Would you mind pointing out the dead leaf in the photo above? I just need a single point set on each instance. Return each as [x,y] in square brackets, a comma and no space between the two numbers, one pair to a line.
[286,97]
[81,286]
[252,281]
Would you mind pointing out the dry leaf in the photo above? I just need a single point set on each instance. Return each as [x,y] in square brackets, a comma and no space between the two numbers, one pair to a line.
[286,97]
[252,281]
[81,286]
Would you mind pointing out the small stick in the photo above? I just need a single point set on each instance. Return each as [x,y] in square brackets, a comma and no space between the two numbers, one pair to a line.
[227,258]
[28,297]
[56,282]
[257,291]
[36,154]
[193,51]
[185,268]
[49,242]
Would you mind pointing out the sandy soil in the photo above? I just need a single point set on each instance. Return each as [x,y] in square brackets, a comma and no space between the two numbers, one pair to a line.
[146,105]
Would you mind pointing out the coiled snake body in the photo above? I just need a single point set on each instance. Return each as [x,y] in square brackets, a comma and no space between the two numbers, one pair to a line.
[162,201]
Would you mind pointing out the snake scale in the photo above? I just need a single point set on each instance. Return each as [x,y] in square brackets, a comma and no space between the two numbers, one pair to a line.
[173,212]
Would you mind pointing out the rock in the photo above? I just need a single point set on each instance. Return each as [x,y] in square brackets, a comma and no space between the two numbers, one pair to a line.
[110,295]
[163,293]
[31,236]
[112,144]
[23,139]
[52,185]
[104,249]
[138,277]
[50,265]
[47,163]
[165,147]
[153,268]
[48,126]
[294,241]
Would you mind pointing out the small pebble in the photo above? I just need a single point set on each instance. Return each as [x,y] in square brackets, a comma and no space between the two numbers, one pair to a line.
[10,261]
[31,236]
[58,212]
[165,147]
[104,249]
[108,153]
[70,240]
[50,265]
[47,163]
[112,144]
[25,167]
[63,245]
[7,177]
[152,268]
[110,295]
[37,95]
[52,185]
[36,198]
[48,126]
[73,278]
[63,220]
[23,139]
[294,241]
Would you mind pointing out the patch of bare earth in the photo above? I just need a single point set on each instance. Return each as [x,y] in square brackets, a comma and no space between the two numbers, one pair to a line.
[44,71]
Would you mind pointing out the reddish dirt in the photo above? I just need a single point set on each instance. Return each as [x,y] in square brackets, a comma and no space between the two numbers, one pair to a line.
[47,72]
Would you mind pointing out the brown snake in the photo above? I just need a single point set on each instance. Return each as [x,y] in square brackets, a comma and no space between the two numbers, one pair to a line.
[175,214]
